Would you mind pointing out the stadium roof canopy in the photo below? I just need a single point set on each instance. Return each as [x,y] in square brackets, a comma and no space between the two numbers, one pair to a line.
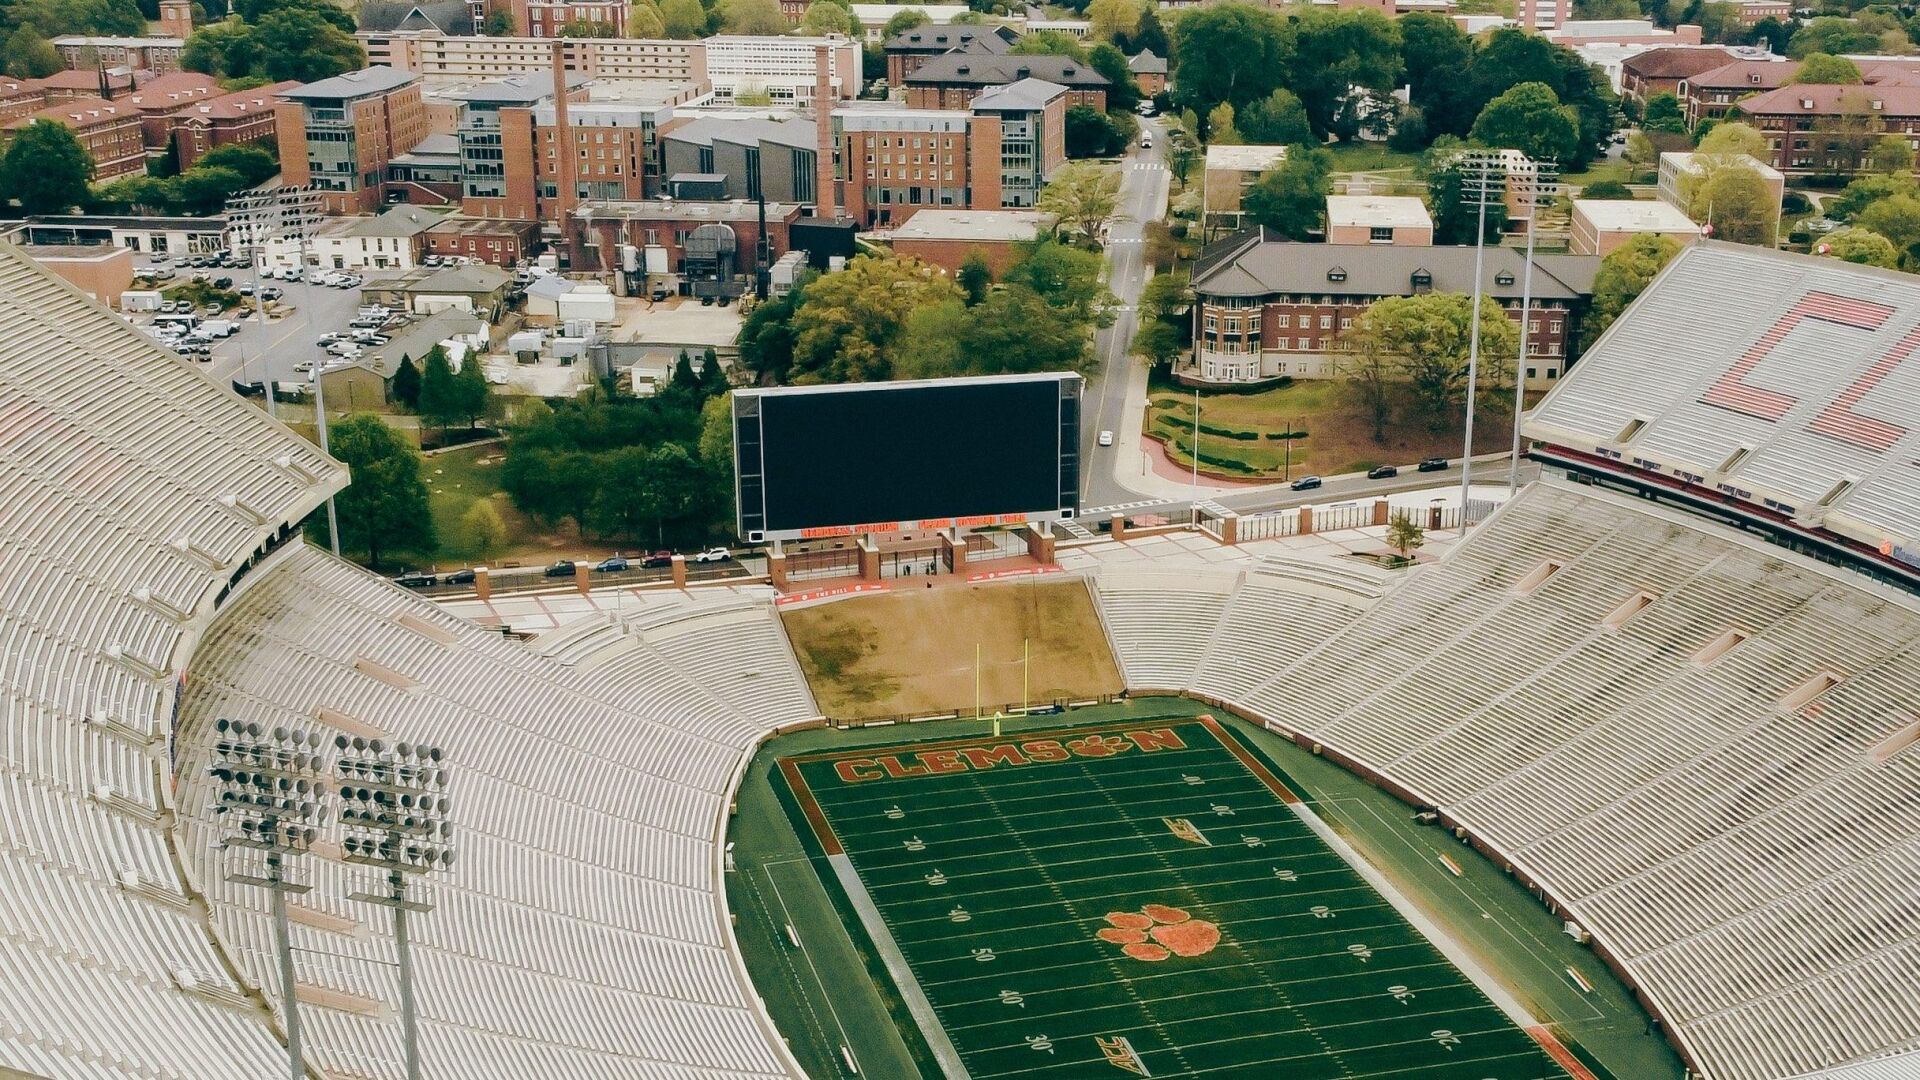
[1799,405]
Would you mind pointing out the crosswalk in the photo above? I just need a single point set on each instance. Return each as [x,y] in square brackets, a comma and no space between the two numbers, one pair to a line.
[1097,512]
[1147,166]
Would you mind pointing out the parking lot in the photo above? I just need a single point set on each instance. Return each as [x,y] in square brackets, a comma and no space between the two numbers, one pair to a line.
[265,352]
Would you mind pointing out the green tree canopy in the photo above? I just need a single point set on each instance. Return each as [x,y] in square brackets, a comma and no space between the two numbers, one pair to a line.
[974,277]
[1454,212]
[1113,20]
[226,49]
[1738,203]
[685,20]
[1090,134]
[1662,113]
[1623,275]
[1529,118]
[1437,55]
[753,17]
[45,169]
[252,161]
[404,390]
[30,56]
[1049,43]
[1897,218]
[1865,191]
[1231,51]
[440,403]
[1067,278]
[1857,245]
[1826,69]
[1425,341]
[1291,197]
[1336,50]
[1221,130]
[848,328]
[826,18]
[1279,119]
[1124,91]
[384,508]
[1730,139]
[904,21]
[101,18]
[1832,34]
[1150,35]
[645,21]
[1084,195]
[483,529]
[1012,331]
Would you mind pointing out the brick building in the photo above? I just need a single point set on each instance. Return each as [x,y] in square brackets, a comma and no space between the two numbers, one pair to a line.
[340,133]
[1658,71]
[109,132]
[662,231]
[946,238]
[1033,141]
[507,160]
[1268,308]
[497,241]
[1600,225]
[1827,130]
[158,98]
[247,116]
[545,18]
[908,50]
[953,80]
[749,155]
[1149,71]
[1379,219]
[1712,94]
[1226,174]
[156,54]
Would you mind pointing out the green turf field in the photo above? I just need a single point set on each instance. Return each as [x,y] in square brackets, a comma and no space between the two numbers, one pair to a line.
[1132,898]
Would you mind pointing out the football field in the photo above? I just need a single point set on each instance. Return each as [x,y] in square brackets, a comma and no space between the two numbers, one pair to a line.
[1142,898]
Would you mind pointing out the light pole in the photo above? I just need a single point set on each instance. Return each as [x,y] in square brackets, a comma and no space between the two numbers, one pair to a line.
[1534,188]
[1482,179]
[284,213]
[271,791]
[393,811]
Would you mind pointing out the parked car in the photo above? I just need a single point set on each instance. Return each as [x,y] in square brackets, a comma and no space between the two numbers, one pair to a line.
[1381,472]
[416,579]
[718,554]
[223,282]
[213,311]
[661,292]
[459,577]
[1433,464]
[1307,483]
[1106,438]
[612,565]
[271,293]
[329,338]
[245,290]
[654,560]
[563,568]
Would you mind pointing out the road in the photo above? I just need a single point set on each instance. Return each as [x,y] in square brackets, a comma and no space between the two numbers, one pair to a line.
[267,353]
[1144,183]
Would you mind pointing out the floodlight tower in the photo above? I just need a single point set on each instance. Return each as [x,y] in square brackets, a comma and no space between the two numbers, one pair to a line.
[1482,181]
[272,789]
[393,808]
[1533,188]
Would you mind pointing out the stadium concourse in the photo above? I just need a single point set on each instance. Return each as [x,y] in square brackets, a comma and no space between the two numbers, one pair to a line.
[1696,744]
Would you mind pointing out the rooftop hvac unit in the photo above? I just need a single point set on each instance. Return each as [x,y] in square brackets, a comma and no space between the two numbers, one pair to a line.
[578,328]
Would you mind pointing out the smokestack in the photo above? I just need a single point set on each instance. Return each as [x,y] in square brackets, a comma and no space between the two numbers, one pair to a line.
[826,198]
[564,173]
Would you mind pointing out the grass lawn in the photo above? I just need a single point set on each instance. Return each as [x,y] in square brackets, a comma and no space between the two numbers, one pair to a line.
[1370,157]
[1339,435]
[1601,169]
[1149,896]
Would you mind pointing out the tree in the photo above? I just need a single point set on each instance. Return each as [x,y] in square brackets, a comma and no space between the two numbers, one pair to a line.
[1825,69]
[1372,372]
[1291,197]
[753,17]
[1220,128]
[904,21]
[1529,118]
[713,379]
[1834,35]
[1167,297]
[1067,278]
[483,528]
[1149,35]
[1623,275]
[499,23]
[99,18]
[1856,245]
[1849,131]
[1897,218]
[1089,134]
[1113,20]
[301,45]
[1083,194]
[1606,189]
[849,326]
[1276,120]
[1663,114]
[1337,50]
[1404,535]
[1230,51]
[204,190]
[1013,331]
[823,18]
[645,21]
[1158,343]
[45,169]
[1606,9]
[440,404]
[385,507]
[1772,33]
[585,28]
[404,390]
[30,56]
[975,277]
[1511,56]
[1892,155]
[1123,93]
[1049,43]
[472,395]
[1455,213]
[1738,203]
[766,338]
[254,163]
[1426,339]
[1867,190]
[684,20]
[225,49]
[1436,54]
[1731,139]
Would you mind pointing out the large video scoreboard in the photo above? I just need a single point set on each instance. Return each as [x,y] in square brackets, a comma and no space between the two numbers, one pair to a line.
[815,461]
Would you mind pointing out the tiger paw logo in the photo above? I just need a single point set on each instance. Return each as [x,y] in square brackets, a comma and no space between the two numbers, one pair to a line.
[1098,746]
[1157,931]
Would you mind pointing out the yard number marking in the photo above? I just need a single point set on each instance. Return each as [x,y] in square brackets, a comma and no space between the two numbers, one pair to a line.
[1014,998]
[983,955]
[1285,875]
[1401,994]
[1320,911]
[1040,1042]
[1252,841]
[1362,953]
[959,914]
[936,879]
[894,813]
[1447,1039]
[1192,780]
[914,843]
[1222,810]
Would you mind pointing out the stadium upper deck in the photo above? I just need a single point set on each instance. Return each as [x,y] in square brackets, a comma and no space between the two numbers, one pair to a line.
[1776,386]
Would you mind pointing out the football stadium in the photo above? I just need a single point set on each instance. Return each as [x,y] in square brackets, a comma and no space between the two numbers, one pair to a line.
[1616,781]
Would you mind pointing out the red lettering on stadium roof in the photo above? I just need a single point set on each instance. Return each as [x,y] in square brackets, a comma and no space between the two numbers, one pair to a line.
[1732,391]
[1032,752]
[1839,421]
